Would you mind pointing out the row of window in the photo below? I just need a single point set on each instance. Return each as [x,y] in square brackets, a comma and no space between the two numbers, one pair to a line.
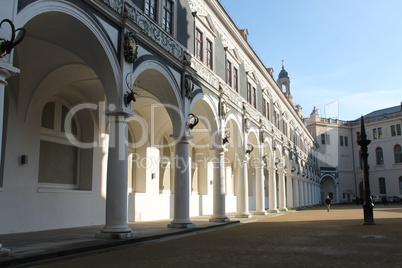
[343,141]
[382,185]
[396,130]
[377,132]
[161,11]
[204,52]
[380,155]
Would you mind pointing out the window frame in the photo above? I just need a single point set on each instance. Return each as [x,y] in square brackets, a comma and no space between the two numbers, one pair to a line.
[168,25]
[379,156]
[199,45]
[375,134]
[57,136]
[382,187]
[147,6]
[397,154]
[209,48]
[400,185]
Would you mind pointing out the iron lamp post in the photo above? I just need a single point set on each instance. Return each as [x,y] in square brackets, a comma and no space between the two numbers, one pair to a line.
[368,202]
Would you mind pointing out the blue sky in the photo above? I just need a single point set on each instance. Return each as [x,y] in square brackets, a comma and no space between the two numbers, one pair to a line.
[343,57]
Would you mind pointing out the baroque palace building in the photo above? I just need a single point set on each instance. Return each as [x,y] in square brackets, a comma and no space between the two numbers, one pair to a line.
[339,158]
[117,111]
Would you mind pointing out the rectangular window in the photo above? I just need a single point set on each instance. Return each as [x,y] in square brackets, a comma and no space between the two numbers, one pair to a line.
[229,73]
[380,133]
[264,111]
[400,185]
[51,169]
[255,97]
[236,79]
[381,182]
[358,135]
[322,138]
[209,54]
[267,113]
[341,140]
[346,141]
[375,135]
[248,92]
[398,129]
[327,139]
[198,44]
[167,20]
[276,118]
[393,131]
[150,8]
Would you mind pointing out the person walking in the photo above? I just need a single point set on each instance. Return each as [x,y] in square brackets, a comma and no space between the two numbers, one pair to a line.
[328,202]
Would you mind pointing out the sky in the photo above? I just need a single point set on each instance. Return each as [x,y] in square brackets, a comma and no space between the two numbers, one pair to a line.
[344,57]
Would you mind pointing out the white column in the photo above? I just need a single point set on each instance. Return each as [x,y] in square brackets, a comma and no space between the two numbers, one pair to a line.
[181,205]
[219,186]
[260,193]
[282,190]
[289,191]
[301,192]
[6,71]
[337,194]
[116,187]
[296,202]
[273,207]
[243,211]
[305,193]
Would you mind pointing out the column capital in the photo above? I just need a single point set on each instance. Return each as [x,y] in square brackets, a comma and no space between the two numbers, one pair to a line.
[120,112]
[219,149]
[7,70]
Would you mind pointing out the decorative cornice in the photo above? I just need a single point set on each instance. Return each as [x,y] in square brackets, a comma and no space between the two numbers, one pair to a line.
[206,73]
[156,33]
[117,5]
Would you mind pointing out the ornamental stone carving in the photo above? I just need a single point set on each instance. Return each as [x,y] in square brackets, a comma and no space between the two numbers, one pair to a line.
[156,33]
[117,5]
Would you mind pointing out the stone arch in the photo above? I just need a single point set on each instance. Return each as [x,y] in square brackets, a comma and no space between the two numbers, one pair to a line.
[98,53]
[328,187]
[155,78]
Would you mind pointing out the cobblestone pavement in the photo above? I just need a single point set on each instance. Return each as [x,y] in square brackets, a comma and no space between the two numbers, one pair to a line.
[308,238]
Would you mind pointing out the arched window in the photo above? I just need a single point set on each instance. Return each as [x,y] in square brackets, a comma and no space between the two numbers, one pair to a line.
[379,156]
[398,153]
[58,158]
[381,182]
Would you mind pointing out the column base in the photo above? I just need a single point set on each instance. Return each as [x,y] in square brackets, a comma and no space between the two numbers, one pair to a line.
[263,212]
[368,223]
[181,225]
[219,219]
[273,210]
[105,235]
[245,215]
[283,209]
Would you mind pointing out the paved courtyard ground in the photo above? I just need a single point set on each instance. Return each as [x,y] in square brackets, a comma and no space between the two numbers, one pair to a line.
[308,238]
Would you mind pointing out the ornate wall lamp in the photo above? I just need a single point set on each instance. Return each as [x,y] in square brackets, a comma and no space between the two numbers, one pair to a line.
[192,121]
[130,55]
[6,46]
[226,138]
[250,148]
[130,95]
